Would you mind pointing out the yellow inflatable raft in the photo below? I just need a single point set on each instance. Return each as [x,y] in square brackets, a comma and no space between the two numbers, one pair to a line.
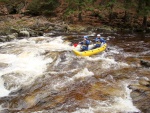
[90,52]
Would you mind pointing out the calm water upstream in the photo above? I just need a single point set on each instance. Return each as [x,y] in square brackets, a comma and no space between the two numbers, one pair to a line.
[42,75]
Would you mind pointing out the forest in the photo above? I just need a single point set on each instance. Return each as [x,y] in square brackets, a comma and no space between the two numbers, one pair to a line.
[134,14]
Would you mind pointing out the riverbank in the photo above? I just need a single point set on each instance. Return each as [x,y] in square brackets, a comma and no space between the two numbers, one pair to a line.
[19,26]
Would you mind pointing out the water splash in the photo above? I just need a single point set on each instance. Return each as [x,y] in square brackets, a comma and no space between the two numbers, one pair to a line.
[24,68]
[32,63]
[113,105]
[125,103]
[60,83]
[29,64]
[108,63]
[57,44]
[82,74]
[4,92]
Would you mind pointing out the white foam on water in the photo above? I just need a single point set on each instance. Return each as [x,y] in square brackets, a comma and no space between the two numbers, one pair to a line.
[89,110]
[57,44]
[115,105]
[65,82]
[5,58]
[108,62]
[3,90]
[83,73]
[29,64]
[114,51]
[125,104]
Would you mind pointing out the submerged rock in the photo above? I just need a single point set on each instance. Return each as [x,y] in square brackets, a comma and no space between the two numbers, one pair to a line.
[145,63]
[3,65]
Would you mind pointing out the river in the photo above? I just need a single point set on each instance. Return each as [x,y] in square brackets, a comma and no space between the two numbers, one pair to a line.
[42,75]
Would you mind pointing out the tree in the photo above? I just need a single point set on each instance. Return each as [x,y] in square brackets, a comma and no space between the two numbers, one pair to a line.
[144,10]
[77,5]
[37,7]
[4,1]
[127,5]
[110,6]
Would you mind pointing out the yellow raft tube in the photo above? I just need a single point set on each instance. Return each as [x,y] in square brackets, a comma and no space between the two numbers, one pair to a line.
[90,52]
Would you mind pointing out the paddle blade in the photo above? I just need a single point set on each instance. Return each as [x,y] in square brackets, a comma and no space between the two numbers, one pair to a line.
[75,45]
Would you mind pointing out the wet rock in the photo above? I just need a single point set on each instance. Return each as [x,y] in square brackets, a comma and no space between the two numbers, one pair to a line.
[3,38]
[16,92]
[145,63]
[24,34]
[10,80]
[144,82]
[50,28]
[5,111]
[62,27]
[76,28]
[40,33]
[139,88]
[104,29]
[33,33]
[141,101]
[11,37]
[3,65]
[141,95]
[14,30]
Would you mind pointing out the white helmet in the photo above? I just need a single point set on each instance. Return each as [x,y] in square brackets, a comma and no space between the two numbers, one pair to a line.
[98,35]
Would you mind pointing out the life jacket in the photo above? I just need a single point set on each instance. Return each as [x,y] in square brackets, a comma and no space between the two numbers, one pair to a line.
[98,41]
[86,43]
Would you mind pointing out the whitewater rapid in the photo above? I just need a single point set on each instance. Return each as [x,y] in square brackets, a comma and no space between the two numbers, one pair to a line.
[28,61]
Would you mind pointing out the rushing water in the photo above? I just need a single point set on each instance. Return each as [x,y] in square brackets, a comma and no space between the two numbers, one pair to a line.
[42,75]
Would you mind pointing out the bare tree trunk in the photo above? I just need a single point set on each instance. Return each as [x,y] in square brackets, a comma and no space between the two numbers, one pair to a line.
[144,22]
[126,17]
[80,16]
[145,16]
[80,11]
[111,13]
